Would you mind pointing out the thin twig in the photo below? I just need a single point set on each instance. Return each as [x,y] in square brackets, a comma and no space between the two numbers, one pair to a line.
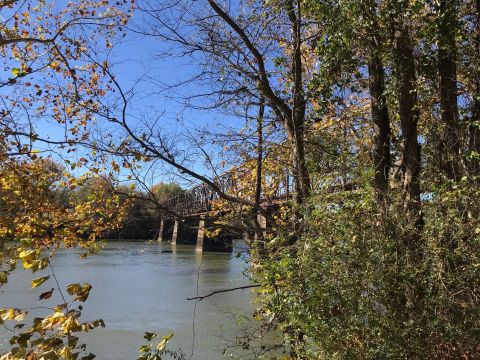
[58,285]
[200,298]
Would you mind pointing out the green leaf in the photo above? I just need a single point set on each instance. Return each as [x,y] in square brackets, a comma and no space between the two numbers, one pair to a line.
[39,281]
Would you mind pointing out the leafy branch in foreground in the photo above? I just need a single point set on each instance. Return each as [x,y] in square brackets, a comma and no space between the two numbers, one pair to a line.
[54,336]
[150,351]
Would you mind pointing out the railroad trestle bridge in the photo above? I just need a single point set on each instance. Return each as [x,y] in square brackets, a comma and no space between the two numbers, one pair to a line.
[194,215]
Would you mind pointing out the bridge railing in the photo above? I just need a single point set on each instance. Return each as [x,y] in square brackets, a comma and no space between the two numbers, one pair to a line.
[198,199]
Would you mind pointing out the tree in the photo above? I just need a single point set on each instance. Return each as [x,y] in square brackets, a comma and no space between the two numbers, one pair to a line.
[447,69]
[49,77]
[379,106]
[248,74]
[165,191]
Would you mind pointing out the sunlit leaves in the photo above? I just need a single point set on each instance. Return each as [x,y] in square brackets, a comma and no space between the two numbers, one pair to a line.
[49,73]
[163,343]
[151,351]
[52,336]
[15,72]
[39,281]
[38,215]
[12,314]
[81,292]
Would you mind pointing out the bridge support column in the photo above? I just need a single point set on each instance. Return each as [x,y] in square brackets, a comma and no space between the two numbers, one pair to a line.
[201,233]
[160,231]
[175,232]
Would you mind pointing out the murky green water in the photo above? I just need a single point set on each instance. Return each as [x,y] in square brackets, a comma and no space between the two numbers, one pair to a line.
[137,288]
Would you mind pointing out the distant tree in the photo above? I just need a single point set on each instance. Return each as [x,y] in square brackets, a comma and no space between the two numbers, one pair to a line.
[164,191]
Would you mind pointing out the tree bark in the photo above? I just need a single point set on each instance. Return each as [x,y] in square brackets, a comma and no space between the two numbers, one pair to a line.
[293,119]
[447,70]
[258,175]
[299,102]
[409,114]
[474,128]
[379,108]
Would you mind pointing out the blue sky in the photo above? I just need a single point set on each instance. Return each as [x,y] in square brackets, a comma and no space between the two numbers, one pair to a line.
[136,57]
[133,58]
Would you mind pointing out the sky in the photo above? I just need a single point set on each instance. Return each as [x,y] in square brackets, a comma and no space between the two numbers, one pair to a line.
[137,57]
[136,63]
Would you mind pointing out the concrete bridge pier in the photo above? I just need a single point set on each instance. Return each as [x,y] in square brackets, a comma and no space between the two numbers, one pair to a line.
[221,243]
[165,230]
[193,231]
[160,230]
[261,232]
[176,228]
[201,233]
[184,231]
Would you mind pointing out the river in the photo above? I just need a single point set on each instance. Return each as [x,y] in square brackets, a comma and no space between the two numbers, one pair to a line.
[138,288]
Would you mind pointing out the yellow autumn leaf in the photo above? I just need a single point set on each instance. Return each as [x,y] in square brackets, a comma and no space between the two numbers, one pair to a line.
[12,314]
[163,343]
[39,281]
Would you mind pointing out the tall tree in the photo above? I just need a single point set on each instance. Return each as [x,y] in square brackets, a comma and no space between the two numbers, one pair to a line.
[447,70]
[379,107]
[405,82]
[292,117]
[474,128]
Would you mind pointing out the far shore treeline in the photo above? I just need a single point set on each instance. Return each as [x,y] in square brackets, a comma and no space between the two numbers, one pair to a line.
[142,218]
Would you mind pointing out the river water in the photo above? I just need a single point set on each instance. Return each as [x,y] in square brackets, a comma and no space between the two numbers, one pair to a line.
[138,288]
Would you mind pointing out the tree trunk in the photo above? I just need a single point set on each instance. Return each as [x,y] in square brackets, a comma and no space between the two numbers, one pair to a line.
[379,108]
[258,175]
[474,129]
[447,70]
[299,103]
[409,115]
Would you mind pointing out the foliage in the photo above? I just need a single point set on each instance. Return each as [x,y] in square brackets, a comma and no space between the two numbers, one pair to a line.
[52,336]
[150,352]
[353,288]
[374,273]
[140,218]
[165,191]
[39,216]
[50,77]
[372,106]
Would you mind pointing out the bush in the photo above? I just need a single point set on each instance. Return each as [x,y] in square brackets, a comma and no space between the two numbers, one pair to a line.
[359,286]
